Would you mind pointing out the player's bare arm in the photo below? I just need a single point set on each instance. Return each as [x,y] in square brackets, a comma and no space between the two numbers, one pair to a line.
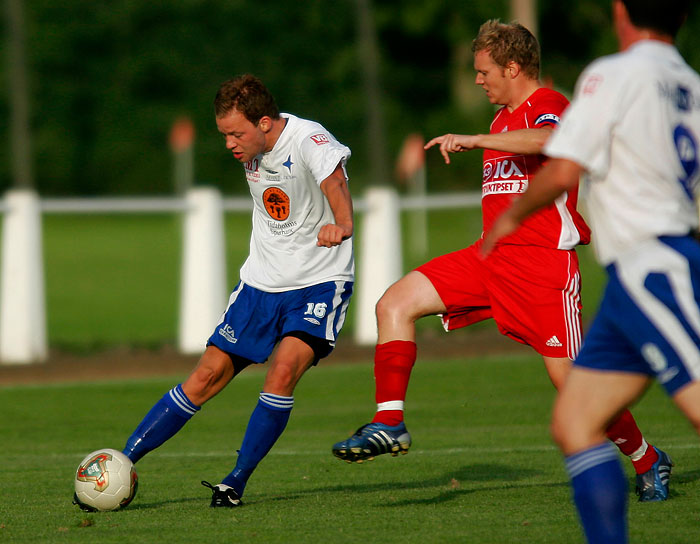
[335,187]
[527,141]
[555,178]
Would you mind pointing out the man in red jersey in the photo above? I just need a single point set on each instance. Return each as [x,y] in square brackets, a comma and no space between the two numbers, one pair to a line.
[530,284]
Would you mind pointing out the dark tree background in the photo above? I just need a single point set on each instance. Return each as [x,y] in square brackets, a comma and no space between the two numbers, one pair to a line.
[107,80]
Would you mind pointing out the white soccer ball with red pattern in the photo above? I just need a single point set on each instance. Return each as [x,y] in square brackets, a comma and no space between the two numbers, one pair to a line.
[105,480]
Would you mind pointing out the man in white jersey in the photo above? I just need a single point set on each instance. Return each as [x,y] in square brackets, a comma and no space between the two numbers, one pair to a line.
[633,129]
[294,287]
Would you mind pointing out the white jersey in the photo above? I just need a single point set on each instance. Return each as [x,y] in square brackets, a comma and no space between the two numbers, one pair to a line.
[634,125]
[289,209]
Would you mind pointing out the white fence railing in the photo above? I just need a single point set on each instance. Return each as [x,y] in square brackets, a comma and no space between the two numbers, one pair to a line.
[23,335]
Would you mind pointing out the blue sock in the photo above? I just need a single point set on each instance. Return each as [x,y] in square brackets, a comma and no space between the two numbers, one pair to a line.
[166,418]
[600,493]
[264,428]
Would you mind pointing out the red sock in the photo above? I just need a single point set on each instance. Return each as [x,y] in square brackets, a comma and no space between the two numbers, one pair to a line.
[393,362]
[627,436]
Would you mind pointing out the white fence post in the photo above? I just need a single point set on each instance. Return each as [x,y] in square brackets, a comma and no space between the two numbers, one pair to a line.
[380,260]
[203,282]
[22,303]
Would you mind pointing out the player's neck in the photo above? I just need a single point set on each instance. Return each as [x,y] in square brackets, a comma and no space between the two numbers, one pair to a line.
[275,132]
[639,35]
[521,93]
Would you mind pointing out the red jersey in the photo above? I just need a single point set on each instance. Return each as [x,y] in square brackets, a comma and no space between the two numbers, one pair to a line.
[506,175]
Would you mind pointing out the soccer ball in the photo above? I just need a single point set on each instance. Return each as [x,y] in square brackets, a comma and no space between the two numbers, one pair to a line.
[105,480]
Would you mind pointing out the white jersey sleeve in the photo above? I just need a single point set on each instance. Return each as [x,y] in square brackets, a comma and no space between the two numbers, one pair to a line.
[634,126]
[322,154]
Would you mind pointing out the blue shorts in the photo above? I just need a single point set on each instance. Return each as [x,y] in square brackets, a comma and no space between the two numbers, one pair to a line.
[255,320]
[649,318]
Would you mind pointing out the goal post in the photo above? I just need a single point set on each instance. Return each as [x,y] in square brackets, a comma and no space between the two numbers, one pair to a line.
[22,312]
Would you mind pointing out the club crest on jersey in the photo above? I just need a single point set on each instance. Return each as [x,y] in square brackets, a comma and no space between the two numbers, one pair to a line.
[276,202]
[320,139]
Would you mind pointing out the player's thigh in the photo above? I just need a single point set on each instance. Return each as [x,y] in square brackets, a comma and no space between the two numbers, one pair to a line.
[688,400]
[411,297]
[557,369]
[589,401]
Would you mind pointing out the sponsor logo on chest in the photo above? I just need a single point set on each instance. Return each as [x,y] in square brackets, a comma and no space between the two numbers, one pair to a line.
[506,175]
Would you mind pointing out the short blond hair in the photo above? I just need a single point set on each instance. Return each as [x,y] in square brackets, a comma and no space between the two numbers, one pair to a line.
[509,43]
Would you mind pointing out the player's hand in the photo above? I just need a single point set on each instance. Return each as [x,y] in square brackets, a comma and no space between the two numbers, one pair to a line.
[502,227]
[332,235]
[452,143]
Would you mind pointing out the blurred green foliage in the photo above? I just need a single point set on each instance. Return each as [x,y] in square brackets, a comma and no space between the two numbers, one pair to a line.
[107,79]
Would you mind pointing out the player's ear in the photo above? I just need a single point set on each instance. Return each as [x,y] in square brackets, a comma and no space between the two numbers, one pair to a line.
[513,69]
[265,124]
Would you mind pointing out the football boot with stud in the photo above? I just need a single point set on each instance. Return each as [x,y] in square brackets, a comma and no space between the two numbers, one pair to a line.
[371,440]
[223,496]
[653,484]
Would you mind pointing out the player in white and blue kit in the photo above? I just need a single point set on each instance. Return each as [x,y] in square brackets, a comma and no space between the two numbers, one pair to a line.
[294,287]
[633,129]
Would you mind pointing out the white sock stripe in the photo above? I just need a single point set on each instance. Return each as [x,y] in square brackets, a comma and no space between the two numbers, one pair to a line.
[182,401]
[277,401]
[639,452]
[390,405]
[581,462]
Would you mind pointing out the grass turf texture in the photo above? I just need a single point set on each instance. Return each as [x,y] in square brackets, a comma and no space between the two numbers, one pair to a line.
[114,279]
[482,468]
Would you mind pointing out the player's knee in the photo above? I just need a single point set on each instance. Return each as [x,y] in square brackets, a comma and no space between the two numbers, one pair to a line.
[204,376]
[203,383]
[566,432]
[282,379]
[383,309]
[393,307]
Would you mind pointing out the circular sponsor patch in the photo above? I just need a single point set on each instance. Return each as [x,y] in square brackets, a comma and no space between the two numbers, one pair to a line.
[276,203]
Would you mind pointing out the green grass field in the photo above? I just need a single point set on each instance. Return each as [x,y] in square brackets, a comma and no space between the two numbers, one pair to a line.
[482,468]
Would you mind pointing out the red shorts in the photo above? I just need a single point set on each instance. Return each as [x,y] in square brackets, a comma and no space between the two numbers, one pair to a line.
[533,294]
